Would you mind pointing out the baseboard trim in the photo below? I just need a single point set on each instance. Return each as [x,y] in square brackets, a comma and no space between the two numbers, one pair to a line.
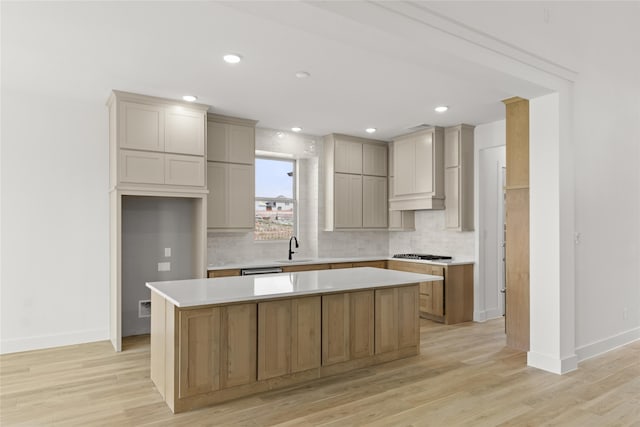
[552,364]
[599,347]
[484,315]
[49,341]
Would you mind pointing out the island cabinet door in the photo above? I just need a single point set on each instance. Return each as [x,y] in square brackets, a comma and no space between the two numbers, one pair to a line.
[199,351]
[361,315]
[408,317]
[238,345]
[397,318]
[305,333]
[335,328]
[274,339]
[386,320]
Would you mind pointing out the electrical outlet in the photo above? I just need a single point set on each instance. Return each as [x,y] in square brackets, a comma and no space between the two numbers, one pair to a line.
[577,237]
[164,266]
[167,252]
[144,308]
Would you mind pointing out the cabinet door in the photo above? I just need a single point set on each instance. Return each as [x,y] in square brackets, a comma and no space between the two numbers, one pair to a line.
[184,170]
[375,205]
[348,201]
[424,163]
[408,317]
[452,197]
[386,320]
[404,166]
[437,307]
[199,351]
[217,136]
[348,156]
[184,132]
[240,196]
[241,144]
[426,297]
[274,339]
[217,197]
[361,326]
[141,126]
[238,345]
[374,159]
[306,340]
[451,148]
[141,167]
[335,328]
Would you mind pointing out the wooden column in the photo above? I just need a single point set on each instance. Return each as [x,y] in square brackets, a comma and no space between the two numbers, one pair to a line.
[517,223]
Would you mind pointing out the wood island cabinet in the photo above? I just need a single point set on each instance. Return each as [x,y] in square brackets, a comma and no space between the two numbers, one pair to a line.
[288,336]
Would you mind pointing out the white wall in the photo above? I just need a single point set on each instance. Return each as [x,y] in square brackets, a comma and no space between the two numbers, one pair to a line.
[55,248]
[489,154]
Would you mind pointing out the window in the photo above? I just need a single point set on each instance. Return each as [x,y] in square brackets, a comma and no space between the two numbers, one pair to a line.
[275,199]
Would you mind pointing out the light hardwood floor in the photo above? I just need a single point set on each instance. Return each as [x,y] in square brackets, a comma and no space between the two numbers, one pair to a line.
[464,376]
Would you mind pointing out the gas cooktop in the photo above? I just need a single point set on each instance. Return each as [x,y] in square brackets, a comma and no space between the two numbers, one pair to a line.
[427,257]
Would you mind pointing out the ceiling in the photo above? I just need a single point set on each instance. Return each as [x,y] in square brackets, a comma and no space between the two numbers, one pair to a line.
[369,66]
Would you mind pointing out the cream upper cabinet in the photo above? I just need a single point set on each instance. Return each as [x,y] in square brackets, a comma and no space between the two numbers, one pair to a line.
[229,141]
[352,199]
[458,162]
[418,171]
[374,159]
[184,132]
[348,201]
[230,200]
[374,202]
[230,173]
[348,156]
[156,143]
[141,126]
[398,220]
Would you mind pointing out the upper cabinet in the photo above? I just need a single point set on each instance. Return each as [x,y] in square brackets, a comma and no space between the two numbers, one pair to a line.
[355,183]
[231,173]
[156,143]
[398,220]
[230,139]
[418,171]
[458,163]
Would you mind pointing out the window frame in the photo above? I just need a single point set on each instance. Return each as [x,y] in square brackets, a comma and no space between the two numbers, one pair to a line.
[294,192]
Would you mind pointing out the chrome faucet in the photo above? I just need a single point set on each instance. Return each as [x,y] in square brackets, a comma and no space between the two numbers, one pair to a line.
[290,251]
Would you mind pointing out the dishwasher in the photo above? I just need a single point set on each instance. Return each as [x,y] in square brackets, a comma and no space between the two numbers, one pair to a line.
[264,270]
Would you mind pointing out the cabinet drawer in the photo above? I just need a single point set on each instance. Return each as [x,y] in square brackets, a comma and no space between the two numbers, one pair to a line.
[184,170]
[426,303]
[141,167]
[437,271]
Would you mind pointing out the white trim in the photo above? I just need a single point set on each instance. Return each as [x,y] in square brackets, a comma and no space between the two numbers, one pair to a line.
[551,364]
[599,347]
[56,340]
[484,315]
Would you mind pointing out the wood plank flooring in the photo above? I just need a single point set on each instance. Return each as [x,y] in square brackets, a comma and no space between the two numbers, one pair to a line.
[464,376]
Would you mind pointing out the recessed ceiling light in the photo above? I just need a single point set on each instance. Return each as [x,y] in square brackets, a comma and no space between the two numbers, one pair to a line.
[232,58]
[189,98]
[370,130]
[302,74]
[441,109]
[296,128]
[280,134]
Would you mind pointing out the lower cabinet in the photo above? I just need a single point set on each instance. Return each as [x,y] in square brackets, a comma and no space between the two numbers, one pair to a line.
[396,325]
[288,336]
[347,326]
[217,348]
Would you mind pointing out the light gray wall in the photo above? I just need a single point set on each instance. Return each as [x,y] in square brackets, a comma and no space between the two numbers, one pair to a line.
[149,225]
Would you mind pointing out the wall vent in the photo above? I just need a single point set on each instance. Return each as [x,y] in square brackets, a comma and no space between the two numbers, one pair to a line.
[418,127]
[144,308]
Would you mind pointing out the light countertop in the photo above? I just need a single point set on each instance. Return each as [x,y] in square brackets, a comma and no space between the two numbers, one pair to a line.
[283,263]
[196,292]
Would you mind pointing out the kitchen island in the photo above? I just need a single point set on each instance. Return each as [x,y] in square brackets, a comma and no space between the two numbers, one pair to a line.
[214,340]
